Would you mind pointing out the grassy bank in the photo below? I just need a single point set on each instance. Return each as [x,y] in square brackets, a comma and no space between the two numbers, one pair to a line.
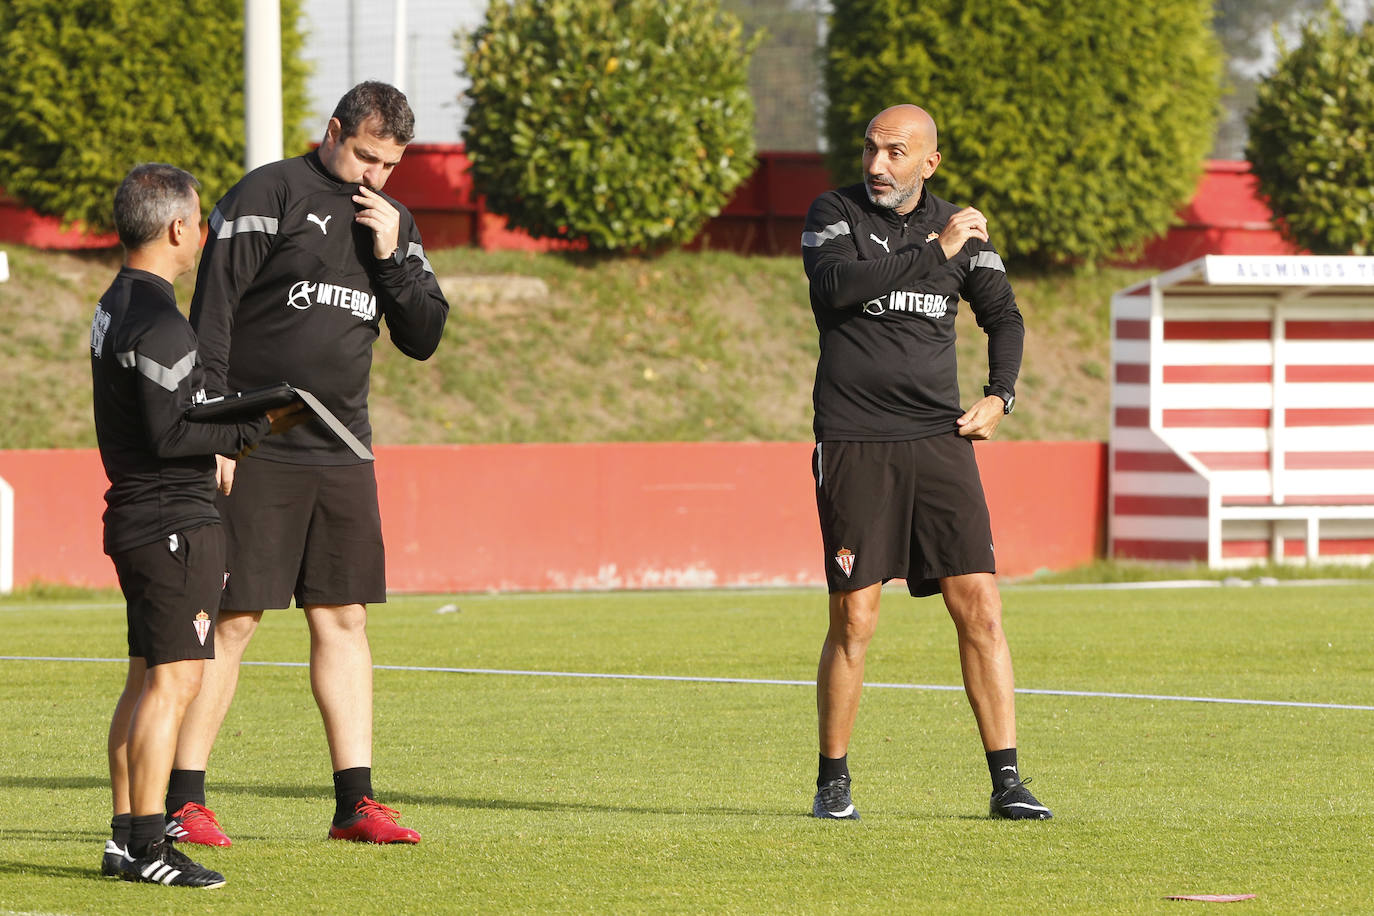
[555,348]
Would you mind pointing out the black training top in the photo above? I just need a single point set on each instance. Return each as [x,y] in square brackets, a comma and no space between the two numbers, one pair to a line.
[884,298]
[145,372]
[289,290]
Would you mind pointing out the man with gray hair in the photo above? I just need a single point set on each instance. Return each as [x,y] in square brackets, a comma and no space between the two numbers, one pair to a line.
[161,528]
[897,487]
[305,259]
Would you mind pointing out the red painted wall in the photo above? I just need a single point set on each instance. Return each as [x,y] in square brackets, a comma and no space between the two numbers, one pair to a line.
[22,226]
[764,216]
[1048,502]
[591,516]
[1226,216]
[58,498]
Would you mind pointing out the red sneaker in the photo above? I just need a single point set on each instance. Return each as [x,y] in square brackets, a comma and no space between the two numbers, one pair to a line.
[195,823]
[374,823]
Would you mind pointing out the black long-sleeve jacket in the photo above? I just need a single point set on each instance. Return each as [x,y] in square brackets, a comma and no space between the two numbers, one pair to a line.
[289,290]
[145,373]
[884,297]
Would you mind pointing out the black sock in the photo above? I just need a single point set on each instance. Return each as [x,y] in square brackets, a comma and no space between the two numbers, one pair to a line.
[1002,766]
[119,829]
[349,788]
[144,831]
[832,768]
[185,786]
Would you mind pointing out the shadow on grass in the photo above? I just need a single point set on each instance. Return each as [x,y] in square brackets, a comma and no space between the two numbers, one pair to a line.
[42,870]
[802,810]
[53,835]
[54,782]
[321,793]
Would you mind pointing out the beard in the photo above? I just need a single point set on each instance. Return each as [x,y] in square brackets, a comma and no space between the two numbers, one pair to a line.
[893,195]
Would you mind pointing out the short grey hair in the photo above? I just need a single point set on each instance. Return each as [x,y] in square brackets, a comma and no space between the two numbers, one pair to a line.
[149,198]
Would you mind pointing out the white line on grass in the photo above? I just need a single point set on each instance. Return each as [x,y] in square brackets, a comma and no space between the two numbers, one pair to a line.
[46,606]
[1233,582]
[516,672]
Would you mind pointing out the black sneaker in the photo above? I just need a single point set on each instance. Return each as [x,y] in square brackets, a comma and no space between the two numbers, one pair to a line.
[1015,803]
[111,864]
[833,801]
[164,864]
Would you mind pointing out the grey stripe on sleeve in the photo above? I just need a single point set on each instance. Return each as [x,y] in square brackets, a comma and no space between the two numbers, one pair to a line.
[224,228]
[989,259]
[158,374]
[416,250]
[817,239]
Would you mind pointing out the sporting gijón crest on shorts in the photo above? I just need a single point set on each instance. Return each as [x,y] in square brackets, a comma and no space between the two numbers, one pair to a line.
[202,624]
[885,298]
[289,289]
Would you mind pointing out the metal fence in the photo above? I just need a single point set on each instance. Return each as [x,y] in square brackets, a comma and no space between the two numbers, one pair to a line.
[355,40]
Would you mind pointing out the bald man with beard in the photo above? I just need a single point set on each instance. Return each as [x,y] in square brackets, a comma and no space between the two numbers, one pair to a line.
[897,486]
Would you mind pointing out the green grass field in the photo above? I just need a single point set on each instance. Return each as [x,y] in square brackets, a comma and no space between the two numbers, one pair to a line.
[568,794]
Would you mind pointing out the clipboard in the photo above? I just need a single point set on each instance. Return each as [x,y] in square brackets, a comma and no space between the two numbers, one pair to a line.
[253,402]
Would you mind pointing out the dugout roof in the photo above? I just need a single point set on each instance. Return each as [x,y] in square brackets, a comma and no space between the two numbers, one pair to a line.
[1264,277]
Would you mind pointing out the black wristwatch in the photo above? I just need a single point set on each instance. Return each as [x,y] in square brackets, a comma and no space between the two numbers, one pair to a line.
[1008,399]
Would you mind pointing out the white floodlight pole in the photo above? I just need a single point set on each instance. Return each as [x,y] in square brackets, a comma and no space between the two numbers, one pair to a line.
[262,113]
[6,537]
[398,48]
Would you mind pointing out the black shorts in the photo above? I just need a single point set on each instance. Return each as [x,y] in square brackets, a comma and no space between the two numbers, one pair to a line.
[909,510]
[171,595]
[301,530]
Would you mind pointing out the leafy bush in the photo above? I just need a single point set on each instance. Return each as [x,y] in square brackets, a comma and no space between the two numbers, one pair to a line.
[1077,128]
[92,87]
[624,123]
[1312,137]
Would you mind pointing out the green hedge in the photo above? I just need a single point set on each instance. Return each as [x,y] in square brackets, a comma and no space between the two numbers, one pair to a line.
[1312,137]
[621,123]
[93,87]
[1077,128]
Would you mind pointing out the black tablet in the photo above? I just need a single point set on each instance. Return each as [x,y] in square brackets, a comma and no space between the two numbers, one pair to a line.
[255,402]
[243,405]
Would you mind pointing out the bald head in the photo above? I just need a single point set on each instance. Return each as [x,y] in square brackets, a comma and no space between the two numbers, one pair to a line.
[899,155]
[911,121]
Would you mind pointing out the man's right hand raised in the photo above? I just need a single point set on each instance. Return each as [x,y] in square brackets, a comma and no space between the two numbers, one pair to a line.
[967,224]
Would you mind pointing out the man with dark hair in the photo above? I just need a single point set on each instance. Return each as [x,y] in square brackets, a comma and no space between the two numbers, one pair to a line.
[161,528]
[897,487]
[380,107]
[304,259]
